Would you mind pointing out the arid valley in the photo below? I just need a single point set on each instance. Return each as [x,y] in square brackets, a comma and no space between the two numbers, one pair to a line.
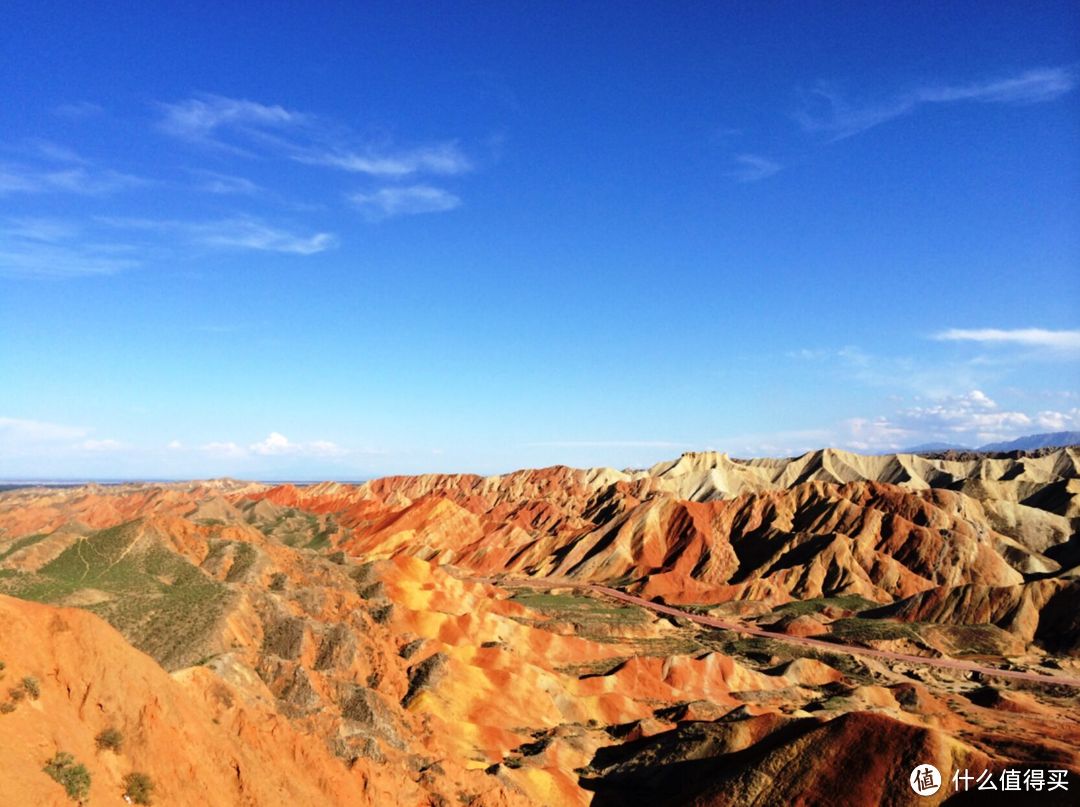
[707,631]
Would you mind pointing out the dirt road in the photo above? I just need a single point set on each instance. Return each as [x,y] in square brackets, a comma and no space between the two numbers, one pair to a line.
[820,644]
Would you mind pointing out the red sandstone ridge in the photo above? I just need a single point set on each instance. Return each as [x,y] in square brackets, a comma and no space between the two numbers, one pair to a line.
[456,639]
[205,741]
[881,541]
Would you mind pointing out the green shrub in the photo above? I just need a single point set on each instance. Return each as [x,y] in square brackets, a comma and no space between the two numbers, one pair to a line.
[109,739]
[16,694]
[31,687]
[73,776]
[6,708]
[138,787]
[278,581]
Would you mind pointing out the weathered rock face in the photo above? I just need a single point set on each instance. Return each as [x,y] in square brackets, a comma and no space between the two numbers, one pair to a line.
[427,640]
[1043,610]
[867,757]
[204,741]
[707,528]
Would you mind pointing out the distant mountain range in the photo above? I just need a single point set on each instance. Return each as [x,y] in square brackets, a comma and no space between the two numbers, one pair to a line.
[1030,442]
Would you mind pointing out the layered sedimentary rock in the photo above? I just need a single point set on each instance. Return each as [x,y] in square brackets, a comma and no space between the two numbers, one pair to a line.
[437,640]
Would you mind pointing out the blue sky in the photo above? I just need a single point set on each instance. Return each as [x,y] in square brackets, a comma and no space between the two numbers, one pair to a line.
[337,240]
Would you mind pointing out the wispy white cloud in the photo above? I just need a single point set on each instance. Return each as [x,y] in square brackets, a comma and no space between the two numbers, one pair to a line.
[17,178]
[829,112]
[443,158]
[224,449]
[56,152]
[225,184]
[21,438]
[248,127]
[753,167]
[245,233]
[404,201]
[1026,337]
[49,248]
[78,109]
[809,354]
[902,373]
[27,260]
[236,233]
[101,445]
[58,248]
[203,119]
[40,228]
[17,430]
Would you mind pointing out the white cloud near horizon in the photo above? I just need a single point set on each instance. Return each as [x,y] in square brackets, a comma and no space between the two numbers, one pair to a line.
[834,115]
[1027,337]
[274,444]
[972,420]
[18,429]
[101,445]
[224,449]
[20,438]
[932,379]
[277,444]
[404,201]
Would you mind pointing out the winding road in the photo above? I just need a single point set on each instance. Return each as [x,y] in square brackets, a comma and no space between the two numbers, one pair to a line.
[806,641]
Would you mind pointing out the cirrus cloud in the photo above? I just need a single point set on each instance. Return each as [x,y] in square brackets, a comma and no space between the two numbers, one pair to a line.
[1027,337]
[404,201]
[826,110]
[245,127]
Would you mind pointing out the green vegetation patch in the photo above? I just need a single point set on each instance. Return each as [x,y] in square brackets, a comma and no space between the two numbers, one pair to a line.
[163,604]
[21,543]
[592,618]
[109,739]
[847,602]
[294,527]
[572,607]
[855,629]
[72,775]
[763,653]
[972,640]
[139,787]
[244,556]
[322,537]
